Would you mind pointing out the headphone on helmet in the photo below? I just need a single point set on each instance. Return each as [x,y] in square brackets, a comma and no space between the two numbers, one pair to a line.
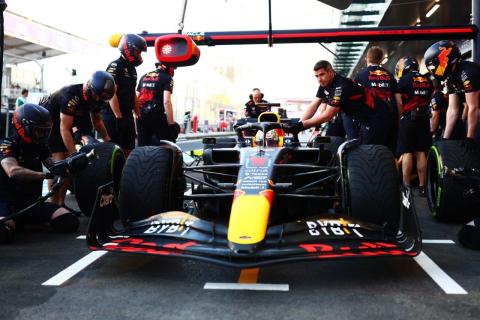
[251,95]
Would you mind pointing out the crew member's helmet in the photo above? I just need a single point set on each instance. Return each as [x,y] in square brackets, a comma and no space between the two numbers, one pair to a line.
[271,138]
[32,123]
[131,47]
[100,87]
[404,66]
[441,57]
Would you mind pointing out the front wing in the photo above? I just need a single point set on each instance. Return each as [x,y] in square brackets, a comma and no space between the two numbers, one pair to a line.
[178,234]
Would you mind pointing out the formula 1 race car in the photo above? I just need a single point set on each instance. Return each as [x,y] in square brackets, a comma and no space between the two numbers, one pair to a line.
[260,199]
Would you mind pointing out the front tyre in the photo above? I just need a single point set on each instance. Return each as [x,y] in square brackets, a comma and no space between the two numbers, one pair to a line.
[152,182]
[372,186]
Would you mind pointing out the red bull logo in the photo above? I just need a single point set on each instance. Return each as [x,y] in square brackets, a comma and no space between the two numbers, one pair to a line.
[378,73]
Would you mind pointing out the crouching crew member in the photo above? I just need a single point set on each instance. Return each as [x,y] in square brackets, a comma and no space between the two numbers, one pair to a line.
[118,116]
[21,176]
[154,93]
[71,107]
[380,87]
[413,99]
[339,94]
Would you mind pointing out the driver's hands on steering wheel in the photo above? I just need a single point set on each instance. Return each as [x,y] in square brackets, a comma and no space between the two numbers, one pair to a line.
[294,128]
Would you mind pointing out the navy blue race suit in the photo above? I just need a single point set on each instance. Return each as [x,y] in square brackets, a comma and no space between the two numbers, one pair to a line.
[122,131]
[17,195]
[72,101]
[349,96]
[153,120]
[414,131]
[380,88]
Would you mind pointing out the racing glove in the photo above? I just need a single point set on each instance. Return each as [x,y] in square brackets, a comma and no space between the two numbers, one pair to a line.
[174,129]
[294,128]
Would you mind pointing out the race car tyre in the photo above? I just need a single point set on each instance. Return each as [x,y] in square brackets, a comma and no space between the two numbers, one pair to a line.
[448,187]
[372,187]
[107,166]
[152,183]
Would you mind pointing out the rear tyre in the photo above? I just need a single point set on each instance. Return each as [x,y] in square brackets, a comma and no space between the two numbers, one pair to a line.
[373,190]
[107,167]
[152,183]
[446,195]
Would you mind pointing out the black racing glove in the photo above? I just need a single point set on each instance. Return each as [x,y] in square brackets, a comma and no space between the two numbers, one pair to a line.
[294,128]
[175,129]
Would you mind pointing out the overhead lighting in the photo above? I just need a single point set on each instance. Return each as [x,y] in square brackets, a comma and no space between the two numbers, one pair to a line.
[433,9]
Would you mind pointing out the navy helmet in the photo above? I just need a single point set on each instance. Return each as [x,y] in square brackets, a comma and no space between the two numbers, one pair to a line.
[100,87]
[404,66]
[131,47]
[440,58]
[32,123]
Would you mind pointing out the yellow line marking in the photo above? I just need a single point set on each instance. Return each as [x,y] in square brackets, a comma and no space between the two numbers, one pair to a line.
[249,275]
[346,230]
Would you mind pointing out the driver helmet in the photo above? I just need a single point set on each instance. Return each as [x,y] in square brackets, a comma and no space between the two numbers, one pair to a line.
[32,123]
[131,47]
[271,138]
[404,66]
[100,87]
[441,57]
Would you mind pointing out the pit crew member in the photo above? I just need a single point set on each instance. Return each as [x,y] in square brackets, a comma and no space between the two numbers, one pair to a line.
[413,99]
[71,107]
[154,92]
[380,87]
[21,176]
[118,116]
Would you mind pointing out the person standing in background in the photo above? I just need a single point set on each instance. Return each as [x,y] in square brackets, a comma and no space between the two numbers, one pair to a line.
[22,99]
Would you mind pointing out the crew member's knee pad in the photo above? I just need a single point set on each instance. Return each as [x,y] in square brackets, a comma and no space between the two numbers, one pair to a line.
[65,223]
[7,234]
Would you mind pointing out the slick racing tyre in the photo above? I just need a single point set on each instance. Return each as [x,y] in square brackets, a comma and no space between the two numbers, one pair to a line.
[372,187]
[152,183]
[106,167]
[452,185]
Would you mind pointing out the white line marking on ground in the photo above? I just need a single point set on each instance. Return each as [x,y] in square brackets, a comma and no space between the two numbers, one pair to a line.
[438,241]
[448,285]
[82,237]
[75,268]
[245,286]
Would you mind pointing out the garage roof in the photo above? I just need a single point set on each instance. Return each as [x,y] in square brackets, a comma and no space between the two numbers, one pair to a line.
[27,40]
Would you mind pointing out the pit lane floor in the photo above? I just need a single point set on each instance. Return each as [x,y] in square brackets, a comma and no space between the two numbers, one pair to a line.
[122,286]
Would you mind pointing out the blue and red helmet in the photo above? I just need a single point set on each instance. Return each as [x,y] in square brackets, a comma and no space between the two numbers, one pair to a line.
[131,47]
[32,123]
[440,58]
[404,66]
